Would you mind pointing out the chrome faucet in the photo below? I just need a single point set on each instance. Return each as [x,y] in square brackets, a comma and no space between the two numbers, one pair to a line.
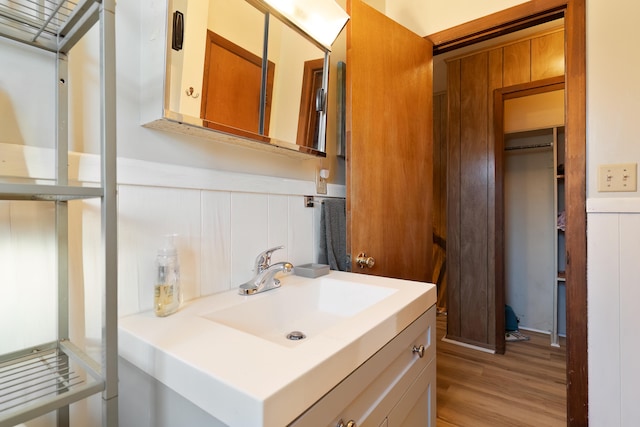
[264,279]
[263,260]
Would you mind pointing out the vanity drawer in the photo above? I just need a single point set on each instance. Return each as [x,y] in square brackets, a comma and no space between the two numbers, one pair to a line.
[370,392]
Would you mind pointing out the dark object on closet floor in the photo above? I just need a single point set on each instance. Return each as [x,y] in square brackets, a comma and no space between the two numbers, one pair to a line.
[511,326]
[510,319]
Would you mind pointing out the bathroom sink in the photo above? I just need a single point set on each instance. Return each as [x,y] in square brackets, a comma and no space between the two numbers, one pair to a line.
[310,309]
[229,354]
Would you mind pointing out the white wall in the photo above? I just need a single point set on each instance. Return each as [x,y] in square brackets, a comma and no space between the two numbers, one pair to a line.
[430,16]
[26,65]
[289,51]
[613,89]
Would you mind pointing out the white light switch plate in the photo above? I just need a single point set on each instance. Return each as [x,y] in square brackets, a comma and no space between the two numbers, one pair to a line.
[618,177]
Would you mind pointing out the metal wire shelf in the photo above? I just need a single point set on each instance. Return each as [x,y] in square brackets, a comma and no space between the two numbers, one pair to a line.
[50,377]
[47,192]
[37,380]
[48,24]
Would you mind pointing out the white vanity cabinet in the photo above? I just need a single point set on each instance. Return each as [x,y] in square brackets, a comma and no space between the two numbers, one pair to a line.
[395,387]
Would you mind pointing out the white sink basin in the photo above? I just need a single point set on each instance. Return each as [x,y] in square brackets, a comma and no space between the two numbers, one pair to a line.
[310,309]
[229,355]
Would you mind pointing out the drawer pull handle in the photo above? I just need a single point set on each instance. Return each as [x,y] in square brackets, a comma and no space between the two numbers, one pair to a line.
[349,423]
[419,349]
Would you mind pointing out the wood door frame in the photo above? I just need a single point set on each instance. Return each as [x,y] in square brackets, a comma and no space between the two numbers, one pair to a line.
[308,117]
[518,17]
[499,96]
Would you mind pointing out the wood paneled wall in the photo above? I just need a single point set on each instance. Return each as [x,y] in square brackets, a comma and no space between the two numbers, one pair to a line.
[440,197]
[471,175]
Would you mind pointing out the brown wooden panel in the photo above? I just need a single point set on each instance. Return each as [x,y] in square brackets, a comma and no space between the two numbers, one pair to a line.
[547,56]
[440,197]
[495,295]
[576,236]
[473,197]
[534,88]
[505,66]
[439,163]
[499,256]
[390,152]
[517,63]
[453,200]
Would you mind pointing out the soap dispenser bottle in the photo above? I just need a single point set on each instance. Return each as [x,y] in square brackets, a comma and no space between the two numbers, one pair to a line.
[167,297]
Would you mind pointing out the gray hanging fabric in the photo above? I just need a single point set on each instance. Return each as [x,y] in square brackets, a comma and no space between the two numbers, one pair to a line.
[333,234]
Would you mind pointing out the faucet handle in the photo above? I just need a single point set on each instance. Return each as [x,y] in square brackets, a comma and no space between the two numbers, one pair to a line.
[263,260]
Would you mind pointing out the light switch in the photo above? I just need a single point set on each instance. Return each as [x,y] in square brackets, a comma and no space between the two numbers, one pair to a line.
[618,177]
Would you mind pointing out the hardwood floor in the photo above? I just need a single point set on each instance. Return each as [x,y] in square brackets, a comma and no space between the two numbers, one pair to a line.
[524,387]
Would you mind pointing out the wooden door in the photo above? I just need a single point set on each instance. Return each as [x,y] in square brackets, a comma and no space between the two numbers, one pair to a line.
[231,87]
[389,145]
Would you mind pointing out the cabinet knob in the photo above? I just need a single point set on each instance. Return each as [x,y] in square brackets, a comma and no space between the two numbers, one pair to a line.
[349,423]
[365,261]
[419,349]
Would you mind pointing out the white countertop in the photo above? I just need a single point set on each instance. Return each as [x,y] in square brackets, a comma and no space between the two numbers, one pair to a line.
[243,379]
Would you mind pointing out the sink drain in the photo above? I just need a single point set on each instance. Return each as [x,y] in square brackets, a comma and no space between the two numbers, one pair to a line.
[296,336]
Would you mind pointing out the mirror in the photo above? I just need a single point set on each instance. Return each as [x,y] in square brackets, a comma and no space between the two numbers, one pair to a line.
[216,77]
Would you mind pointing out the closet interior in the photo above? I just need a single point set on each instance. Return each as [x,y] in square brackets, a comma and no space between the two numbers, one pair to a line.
[534,260]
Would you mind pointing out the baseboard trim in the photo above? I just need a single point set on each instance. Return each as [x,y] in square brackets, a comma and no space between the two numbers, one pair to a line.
[471,346]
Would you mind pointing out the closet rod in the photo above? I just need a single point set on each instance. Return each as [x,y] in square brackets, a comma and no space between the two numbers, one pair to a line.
[528,147]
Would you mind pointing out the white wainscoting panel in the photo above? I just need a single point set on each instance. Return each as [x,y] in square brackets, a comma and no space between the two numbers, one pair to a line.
[278,228]
[629,318]
[249,233]
[604,319]
[302,246]
[613,295]
[145,216]
[85,268]
[215,263]
[27,251]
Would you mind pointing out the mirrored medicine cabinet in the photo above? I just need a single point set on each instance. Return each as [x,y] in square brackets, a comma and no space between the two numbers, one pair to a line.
[241,70]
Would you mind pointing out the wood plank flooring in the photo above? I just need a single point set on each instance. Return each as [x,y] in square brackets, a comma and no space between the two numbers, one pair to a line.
[524,387]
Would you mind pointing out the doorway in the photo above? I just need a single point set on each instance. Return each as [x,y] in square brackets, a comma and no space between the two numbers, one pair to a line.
[527,15]
[530,156]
